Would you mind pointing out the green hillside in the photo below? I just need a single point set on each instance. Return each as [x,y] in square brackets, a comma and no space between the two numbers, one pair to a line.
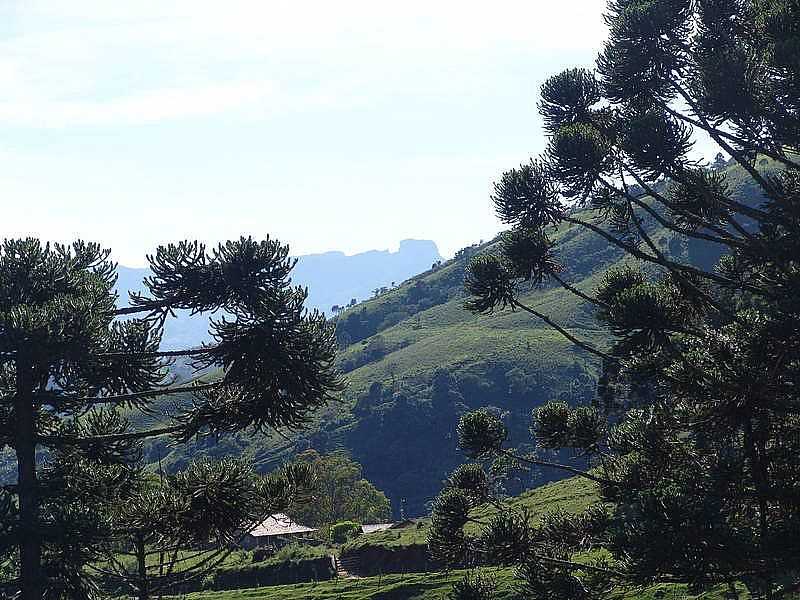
[415,360]
[403,435]
[571,495]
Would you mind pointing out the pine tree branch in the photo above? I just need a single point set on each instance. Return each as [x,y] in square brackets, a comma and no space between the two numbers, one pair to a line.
[109,438]
[198,570]
[579,566]
[567,468]
[705,296]
[158,354]
[668,264]
[785,160]
[722,238]
[570,288]
[562,331]
[150,307]
[745,164]
[730,203]
[139,395]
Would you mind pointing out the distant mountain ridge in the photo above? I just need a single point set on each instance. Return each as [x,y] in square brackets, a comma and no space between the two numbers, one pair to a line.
[337,278]
[332,278]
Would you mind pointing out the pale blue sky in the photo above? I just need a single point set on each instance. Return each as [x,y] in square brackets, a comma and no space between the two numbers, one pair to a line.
[331,125]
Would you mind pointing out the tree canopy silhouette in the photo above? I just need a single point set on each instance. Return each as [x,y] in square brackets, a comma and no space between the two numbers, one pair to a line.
[694,436]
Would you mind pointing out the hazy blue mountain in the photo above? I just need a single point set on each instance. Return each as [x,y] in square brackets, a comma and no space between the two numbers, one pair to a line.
[331,278]
[335,278]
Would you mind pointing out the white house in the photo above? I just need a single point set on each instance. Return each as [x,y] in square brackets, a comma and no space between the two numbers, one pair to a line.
[276,529]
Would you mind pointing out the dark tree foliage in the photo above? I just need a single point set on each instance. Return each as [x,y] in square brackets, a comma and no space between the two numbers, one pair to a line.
[472,480]
[473,586]
[81,381]
[694,436]
[412,473]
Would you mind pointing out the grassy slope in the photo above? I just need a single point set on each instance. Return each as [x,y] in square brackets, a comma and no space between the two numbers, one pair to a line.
[433,586]
[449,336]
[415,586]
[571,495]
[446,336]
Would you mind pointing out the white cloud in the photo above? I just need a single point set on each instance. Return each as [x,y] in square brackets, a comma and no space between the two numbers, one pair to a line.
[91,62]
[137,108]
[312,121]
[315,24]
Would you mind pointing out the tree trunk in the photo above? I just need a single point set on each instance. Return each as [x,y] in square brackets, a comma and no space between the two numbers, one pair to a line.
[30,545]
[761,482]
[141,555]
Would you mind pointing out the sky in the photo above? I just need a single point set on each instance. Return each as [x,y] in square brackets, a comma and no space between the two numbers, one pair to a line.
[343,125]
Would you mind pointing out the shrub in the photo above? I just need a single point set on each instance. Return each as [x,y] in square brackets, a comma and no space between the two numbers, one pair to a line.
[344,531]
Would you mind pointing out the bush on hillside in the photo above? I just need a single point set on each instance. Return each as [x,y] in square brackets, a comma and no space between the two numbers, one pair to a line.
[343,531]
[473,586]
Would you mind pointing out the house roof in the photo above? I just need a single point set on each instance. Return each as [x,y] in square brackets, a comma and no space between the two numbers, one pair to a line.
[376,527]
[279,524]
[405,523]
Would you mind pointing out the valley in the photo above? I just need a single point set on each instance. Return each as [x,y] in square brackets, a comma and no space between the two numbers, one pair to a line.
[415,359]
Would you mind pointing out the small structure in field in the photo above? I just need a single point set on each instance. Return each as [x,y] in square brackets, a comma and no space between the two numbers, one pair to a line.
[376,527]
[276,530]
[386,526]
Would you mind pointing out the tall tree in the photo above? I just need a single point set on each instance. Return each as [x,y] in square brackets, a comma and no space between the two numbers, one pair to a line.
[694,436]
[339,493]
[72,365]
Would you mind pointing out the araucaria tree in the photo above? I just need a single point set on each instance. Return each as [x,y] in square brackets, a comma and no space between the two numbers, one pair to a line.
[693,440]
[81,379]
